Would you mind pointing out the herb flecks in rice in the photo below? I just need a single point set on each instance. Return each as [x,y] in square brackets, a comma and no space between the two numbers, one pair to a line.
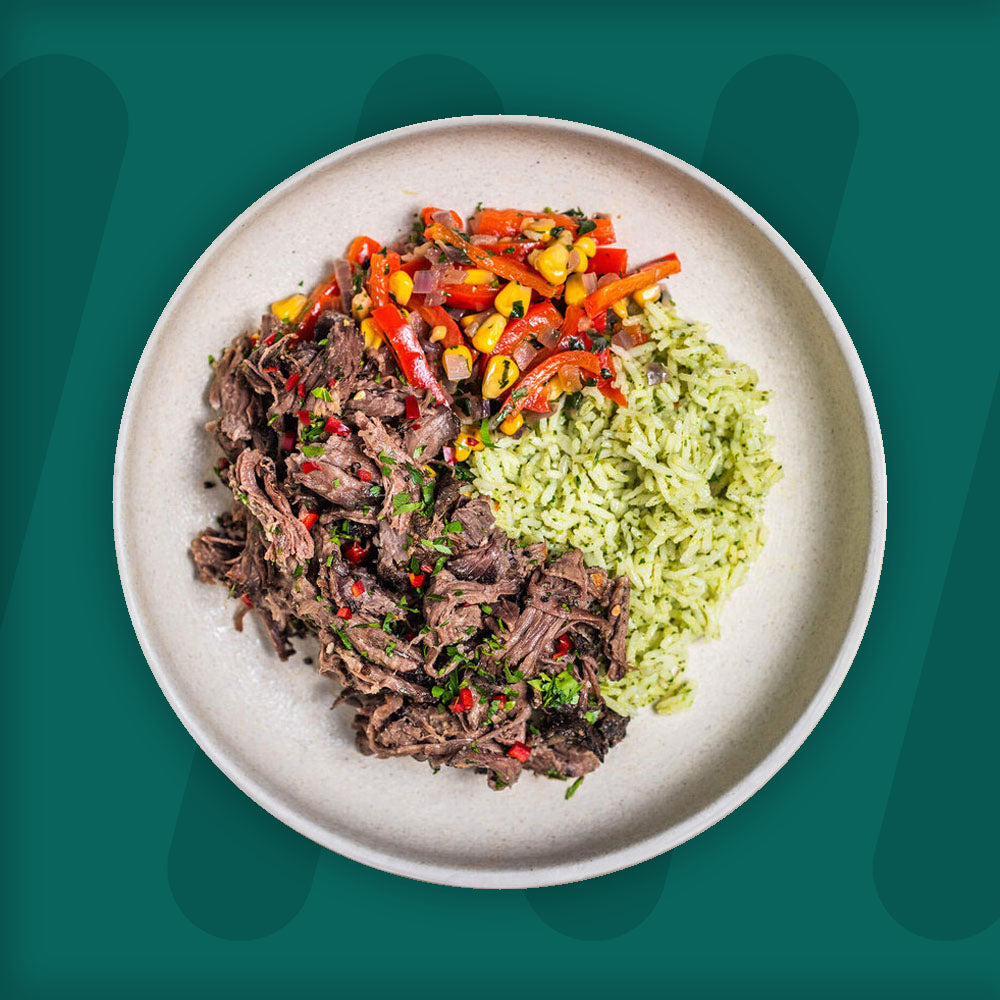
[669,491]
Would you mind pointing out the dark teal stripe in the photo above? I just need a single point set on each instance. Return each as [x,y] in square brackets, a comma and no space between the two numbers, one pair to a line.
[937,862]
[64,128]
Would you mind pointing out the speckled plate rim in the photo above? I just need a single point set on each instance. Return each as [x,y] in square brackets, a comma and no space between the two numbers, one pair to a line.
[673,836]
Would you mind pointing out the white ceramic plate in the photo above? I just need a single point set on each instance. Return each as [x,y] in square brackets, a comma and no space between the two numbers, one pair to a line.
[789,634]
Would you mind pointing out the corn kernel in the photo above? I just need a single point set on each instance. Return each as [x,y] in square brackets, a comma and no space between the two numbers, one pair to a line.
[401,287]
[509,296]
[461,452]
[646,295]
[460,351]
[473,320]
[540,227]
[575,292]
[477,276]
[556,388]
[551,263]
[512,424]
[288,309]
[501,373]
[438,333]
[586,245]
[470,438]
[372,333]
[361,305]
[620,308]
[486,337]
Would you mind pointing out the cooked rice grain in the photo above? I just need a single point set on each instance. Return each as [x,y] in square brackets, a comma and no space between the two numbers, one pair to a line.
[669,491]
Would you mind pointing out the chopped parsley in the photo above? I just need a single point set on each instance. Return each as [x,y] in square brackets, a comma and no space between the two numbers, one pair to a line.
[562,689]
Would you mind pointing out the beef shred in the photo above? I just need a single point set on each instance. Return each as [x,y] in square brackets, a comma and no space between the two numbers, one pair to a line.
[453,644]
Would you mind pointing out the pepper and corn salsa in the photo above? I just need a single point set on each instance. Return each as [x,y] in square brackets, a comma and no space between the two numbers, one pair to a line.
[498,317]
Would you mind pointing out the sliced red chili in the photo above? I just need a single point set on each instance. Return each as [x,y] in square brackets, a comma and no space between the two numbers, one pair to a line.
[292,381]
[309,518]
[463,702]
[412,408]
[364,475]
[564,645]
[357,588]
[245,598]
[344,613]
[287,441]
[519,752]
[338,427]
[305,417]
[355,553]
[308,467]
[417,579]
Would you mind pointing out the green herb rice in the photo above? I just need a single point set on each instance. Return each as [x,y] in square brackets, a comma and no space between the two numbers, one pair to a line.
[668,491]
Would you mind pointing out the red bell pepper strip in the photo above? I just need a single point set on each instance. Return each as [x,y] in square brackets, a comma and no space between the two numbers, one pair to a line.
[541,316]
[519,751]
[502,265]
[408,351]
[380,270]
[427,215]
[609,260]
[598,302]
[540,375]
[507,222]
[437,316]
[320,299]
[477,297]
[308,518]
[518,249]
[417,264]
[606,384]
[361,248]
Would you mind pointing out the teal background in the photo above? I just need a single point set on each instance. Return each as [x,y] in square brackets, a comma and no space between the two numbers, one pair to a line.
[132,135]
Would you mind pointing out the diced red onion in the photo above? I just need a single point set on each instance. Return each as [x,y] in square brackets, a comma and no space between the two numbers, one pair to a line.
[426,281]
[443,218]
[450,275]
[589,282]
[606,279]
[570,378]
[448,454]
[548,337]
[342,272]
[573,261]
[624,339]
[524,354]
[480,238]
[656,373]
[419,325]
[456,367]
[435,298]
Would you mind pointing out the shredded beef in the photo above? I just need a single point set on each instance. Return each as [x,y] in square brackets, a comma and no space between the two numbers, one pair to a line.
[452,643]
